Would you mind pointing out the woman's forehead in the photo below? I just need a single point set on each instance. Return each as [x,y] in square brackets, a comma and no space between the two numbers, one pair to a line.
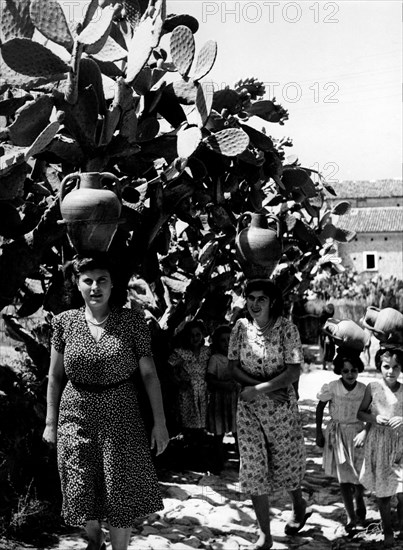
[257,294]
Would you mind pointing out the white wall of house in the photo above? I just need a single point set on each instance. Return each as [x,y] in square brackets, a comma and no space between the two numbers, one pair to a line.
[374,254]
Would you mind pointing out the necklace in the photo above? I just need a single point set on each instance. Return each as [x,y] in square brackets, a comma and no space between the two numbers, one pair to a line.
[264,328]
[97,323]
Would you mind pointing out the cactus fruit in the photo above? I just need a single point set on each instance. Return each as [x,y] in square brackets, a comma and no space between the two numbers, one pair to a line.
[48,17]
[254,87]
[229,142]
[32,59]
[30,120]
[15,21]
[188,139]
[182,47]
[205,59]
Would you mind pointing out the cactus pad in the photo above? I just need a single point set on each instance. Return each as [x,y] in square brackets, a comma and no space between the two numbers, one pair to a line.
[111,51]
[341,208]
[147,129]
[30,120]
[226,99]
[90,74]
[182,46]
[32,59]
[43,140]
[259,140]
[188,140]
[132,12]
[172,21]
[13,177]
[205,59]
[146,37]
[48,17]
[15,21]
[184,91]
[204,101]
[229,142]
[94,35]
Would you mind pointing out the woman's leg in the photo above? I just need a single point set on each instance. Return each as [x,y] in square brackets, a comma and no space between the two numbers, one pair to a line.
[386,517]
[400,514]
[261,506]
[300,512]
[95,535]
[347,492]
[360,508]
[120,537]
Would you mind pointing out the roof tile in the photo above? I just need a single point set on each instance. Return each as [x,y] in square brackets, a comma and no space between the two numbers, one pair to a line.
[373,220]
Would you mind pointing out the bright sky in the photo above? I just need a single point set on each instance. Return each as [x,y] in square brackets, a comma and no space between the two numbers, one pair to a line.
[335,66]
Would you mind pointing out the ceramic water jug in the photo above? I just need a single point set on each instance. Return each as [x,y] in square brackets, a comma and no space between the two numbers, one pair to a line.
[91,208]
[370,317]
[258,246]
[389,325]
[345,333]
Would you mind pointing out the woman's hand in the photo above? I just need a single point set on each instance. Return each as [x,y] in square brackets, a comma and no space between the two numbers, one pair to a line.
[50,435]
[395,422]
[359,439]
[382,420]
[159,438]
[249,393]
[280,395]
[320,439]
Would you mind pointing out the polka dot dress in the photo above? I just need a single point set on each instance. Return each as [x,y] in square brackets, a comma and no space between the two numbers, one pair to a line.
[104,461]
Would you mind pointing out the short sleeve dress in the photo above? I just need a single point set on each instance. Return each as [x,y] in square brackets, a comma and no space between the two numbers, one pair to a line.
[341,459]
[382,471]
[222,404]
[192,398]
[104,462]
[270,437]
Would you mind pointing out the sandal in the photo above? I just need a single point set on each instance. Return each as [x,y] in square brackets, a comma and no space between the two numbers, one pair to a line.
[292,526]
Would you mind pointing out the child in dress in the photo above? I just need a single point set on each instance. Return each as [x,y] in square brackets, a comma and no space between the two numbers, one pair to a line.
[382,407]
[189,368]
[345,435]
[223,394]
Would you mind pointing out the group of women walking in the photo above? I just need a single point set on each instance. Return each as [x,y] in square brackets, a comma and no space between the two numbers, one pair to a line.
[104,455]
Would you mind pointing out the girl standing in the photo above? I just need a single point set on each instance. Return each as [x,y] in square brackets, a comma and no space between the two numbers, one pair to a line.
[345,435]
[382,407]
[189,364]
[223,393]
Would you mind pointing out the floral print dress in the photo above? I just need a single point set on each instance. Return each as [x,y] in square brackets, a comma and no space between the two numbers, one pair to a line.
[382,471]
[191,370]
[270,437]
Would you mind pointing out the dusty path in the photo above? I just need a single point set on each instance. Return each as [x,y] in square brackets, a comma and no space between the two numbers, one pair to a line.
[207,511]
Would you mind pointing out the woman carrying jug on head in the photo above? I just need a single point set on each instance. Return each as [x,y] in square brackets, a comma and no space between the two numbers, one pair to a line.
[265,354]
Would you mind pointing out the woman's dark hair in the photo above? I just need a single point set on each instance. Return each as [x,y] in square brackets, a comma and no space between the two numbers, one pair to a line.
[391,352]
[215,338]
[270,290]
[184,337]
[79,265]
[347,355]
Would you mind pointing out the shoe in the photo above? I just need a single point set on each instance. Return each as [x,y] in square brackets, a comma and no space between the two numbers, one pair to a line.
[292,526]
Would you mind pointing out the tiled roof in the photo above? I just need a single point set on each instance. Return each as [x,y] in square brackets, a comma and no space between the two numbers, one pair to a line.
[373,220]
[368,189]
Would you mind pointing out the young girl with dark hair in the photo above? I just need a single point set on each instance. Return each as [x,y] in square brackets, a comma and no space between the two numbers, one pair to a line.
[345,435]
[382,408]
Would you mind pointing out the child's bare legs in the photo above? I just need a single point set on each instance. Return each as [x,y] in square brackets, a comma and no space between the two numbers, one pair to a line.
[347,492]
[386,517]
[95,535]
[400,515]
[261,506]
[360,508]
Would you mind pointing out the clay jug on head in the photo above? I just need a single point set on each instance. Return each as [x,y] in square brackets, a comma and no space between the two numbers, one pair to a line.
[388,325]
[258,246]
[345,333]
[91,208]
[370,317]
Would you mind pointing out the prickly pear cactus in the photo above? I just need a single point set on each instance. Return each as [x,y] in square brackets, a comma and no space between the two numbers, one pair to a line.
[229,142]
[48,17]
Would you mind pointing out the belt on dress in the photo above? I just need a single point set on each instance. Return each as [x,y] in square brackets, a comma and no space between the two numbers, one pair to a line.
[99,388]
